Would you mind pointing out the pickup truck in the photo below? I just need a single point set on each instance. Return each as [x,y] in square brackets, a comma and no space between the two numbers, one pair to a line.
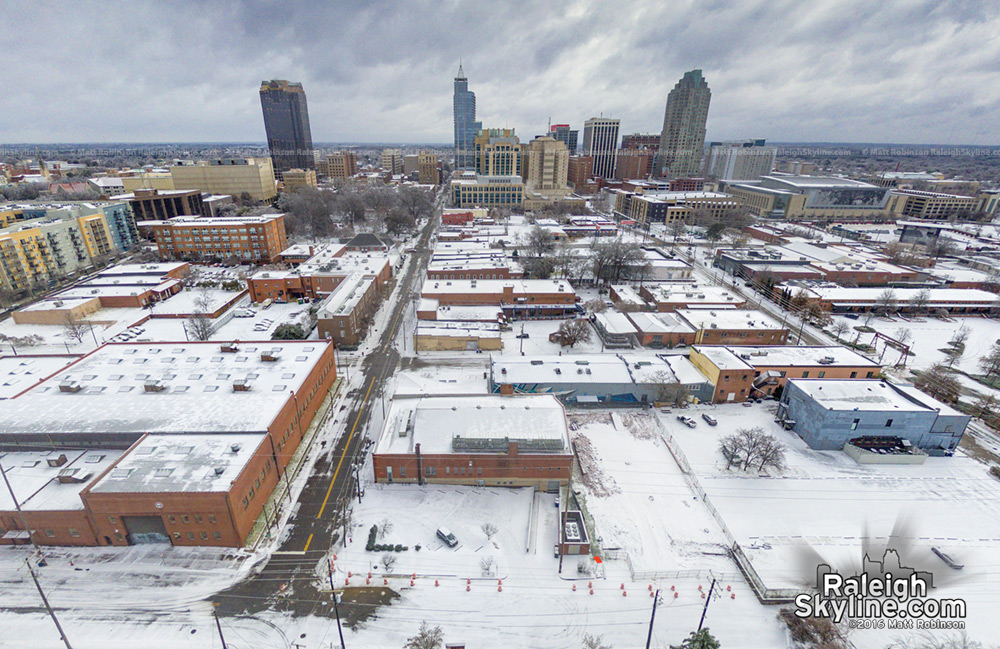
[687,421]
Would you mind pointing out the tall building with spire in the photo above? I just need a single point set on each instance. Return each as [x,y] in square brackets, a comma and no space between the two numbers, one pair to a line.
[682,140]
[466,126]
[286,121]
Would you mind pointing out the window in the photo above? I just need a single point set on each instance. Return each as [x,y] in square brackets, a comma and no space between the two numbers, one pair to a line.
[251,493]
[204,536]
[112,520]
[888,423]
[256,483]
[190,536]
[185,519]
[246,503]
[402,472]
[479,470]
[197,518]
[211,518]
[218,536]
[447,470]
[805,374]
[50,533]
[871,375]
[854,424]
[177,535]
[74,532]
[854,375]
[171,519]
[822,373]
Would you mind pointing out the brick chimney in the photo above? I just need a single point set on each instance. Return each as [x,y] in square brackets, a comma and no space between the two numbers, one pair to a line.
[512,449]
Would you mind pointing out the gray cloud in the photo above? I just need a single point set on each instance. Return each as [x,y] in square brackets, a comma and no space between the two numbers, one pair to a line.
[915,71]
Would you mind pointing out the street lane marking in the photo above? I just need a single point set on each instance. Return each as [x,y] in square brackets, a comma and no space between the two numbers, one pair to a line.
[308,541]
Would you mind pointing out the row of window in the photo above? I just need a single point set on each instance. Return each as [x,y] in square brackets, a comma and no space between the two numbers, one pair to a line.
[255,489]
[203,534]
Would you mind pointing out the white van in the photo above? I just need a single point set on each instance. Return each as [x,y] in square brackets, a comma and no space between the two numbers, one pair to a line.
[445,535]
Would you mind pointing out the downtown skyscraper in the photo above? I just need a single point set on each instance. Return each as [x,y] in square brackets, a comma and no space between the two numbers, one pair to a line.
[682,140]
[286,121]
[466,126]
[600,141]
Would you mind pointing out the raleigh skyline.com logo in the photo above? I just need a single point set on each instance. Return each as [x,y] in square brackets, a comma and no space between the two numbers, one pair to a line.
[885,594]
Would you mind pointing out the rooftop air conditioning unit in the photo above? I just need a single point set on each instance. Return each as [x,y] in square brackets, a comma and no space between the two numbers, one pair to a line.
[714,326]
[57,461]
[229,348]
[154,385]
[219,470]
[558,371]
[241,385]
[270,355]
[588,371]
[235,448]
[70,386]
[827,360]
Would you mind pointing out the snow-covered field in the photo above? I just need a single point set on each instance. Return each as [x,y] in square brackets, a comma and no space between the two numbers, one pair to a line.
[825,507]
[930,335]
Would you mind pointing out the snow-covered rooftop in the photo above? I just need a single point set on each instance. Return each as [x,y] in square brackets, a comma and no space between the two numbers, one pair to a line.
[437,423]
[867,394]
[795,356]
[615,323]
[658,323]
[748,319]
[18,373]
[105,391]
[171,463]
[37,485]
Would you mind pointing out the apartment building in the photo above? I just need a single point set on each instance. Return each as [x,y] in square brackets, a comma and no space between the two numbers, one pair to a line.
[427,169]
[487,191]
[160,205]
[734,326]
[913,204]
[252,176]
[392,161]
[343,314]
[257,239]
[657,206]
[296,178]
[342,165]
[318,272]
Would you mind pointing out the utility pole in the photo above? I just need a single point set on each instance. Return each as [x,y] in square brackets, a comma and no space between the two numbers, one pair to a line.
[52,614]
[20,512]
[218,625]
[708,599]
[652,616]
[336,608]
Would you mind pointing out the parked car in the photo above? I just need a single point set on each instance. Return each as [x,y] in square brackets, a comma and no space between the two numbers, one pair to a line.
[445,535]
[709,419]
[687,421]
[852,316]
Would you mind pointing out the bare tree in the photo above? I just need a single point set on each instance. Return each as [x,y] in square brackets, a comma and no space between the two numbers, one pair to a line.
[388,561]
[920,300]
[486,564]
[989,363]
[595,306]
[384,528]
[199,327]
[427,638]
[572,332]
[840,329]
[903,335]
[771,454]
[938,382]
[675,229]
[669,390]
[752,446]
[961,335]
[490,530]
[885,303]
[74,328]
[595,642]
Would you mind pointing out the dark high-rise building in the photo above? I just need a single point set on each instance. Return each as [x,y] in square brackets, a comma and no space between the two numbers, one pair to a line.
[682,141]
[286,121]
[466,126]
[564,134]
[600,141]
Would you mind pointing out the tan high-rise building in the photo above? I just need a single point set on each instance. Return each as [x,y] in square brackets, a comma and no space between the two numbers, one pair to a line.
[547,166]
[341,166]
[253,176]
[392,161]
[427,168]
[682,141]
[498,152]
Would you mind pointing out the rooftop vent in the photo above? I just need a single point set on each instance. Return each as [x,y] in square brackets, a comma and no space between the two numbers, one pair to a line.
[229,348]
[70,386]
[57,461]
[241,385]
[827,360]
[154,385]
[537,362]
[219,470]
[558,371]
[270,355]
[235,448]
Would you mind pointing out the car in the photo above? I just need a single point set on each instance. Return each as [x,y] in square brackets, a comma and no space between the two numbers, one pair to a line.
[445,535]
[709,419]
[522,335]
[557,501]
[687,421]
[852,316]
[666,411]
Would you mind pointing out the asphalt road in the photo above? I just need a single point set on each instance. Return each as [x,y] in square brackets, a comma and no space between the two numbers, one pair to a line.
[315,526]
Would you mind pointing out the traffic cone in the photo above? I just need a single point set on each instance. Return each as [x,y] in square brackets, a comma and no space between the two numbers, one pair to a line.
[468,588]
[574,588]
[622,586]
[624,593]
[436,584]
[499,589]
[733,596]
[676,594]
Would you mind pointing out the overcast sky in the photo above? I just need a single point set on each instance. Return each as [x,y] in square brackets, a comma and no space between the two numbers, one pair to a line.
[381,71]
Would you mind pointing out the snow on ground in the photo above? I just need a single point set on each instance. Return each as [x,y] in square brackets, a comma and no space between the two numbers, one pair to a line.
[536,607]
[930,335]
[824,505]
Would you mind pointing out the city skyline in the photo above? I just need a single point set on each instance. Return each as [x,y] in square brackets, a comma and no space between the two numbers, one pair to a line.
[833,74]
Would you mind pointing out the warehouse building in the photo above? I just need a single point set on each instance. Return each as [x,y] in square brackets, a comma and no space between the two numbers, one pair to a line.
[829,413]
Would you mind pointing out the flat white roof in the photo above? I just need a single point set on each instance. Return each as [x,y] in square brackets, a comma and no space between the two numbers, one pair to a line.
[458,329]
[437,422]
[189,463]
[18,373]
[346,295]
[863,394]
[750,319]
[722,358]
[198,394]
[692,294]
[37,485]
[658,323]
[615,323]
[795,356]
[521,286]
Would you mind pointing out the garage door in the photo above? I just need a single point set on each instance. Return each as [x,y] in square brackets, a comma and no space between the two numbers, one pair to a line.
[145,529]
